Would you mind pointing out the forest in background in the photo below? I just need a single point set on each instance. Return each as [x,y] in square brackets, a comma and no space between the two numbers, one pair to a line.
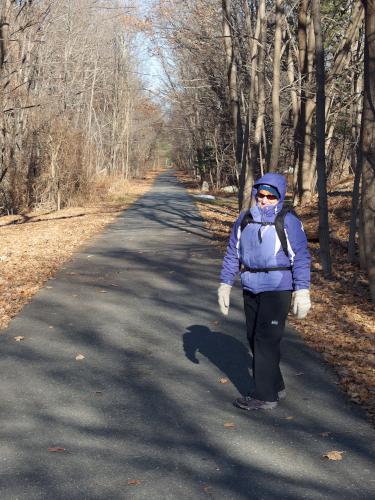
[287,86]
[248,87]
[75,109]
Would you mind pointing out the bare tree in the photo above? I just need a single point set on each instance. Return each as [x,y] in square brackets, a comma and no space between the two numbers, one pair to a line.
[276,117]
[368,146]
[320,133]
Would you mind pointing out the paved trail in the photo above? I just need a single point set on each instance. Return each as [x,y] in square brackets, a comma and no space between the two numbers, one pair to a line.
[145,403]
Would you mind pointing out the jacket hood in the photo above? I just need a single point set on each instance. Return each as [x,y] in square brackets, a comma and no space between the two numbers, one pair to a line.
[275,180]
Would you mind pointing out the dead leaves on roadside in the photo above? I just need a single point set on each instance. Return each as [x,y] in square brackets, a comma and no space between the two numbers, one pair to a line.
[19,338]
[79,357]
[56,449]
[134,482]
[229,425]
[223,381]
[334,455]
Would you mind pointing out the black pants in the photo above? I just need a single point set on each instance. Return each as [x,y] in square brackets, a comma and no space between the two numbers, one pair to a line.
[266,314]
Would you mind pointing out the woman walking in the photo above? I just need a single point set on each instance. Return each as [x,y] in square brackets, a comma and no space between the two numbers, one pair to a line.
[268,246]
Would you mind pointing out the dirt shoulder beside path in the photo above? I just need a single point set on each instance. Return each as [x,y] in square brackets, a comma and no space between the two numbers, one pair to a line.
[341,324]
[34,246]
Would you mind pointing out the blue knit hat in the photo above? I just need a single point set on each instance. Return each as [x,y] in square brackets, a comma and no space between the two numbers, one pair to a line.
[270,189]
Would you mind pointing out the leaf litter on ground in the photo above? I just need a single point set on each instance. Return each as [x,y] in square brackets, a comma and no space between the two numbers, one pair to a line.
[223,381]
[134,482]
[334,455]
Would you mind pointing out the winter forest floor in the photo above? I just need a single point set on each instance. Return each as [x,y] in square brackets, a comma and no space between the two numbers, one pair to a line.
[341,324]
[33,246]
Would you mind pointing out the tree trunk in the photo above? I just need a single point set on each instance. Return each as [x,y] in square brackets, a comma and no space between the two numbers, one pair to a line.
[325,254]
[256,145]
[368,146]
[247,174]
[4,32]
[276,125]
[307,169]
[292,83]
[356,159]
[301,125]
[232,83]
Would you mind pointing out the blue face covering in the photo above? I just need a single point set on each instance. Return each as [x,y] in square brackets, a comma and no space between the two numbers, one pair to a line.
[270,189]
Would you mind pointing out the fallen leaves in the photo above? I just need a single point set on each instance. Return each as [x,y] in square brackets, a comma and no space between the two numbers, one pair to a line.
[223,381]
[334,455]
[229,425]
[324,434]
[79,357]
[56,449]
[19,338]
[134,482]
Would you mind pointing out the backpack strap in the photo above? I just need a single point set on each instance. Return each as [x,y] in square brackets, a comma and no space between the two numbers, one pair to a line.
[246,220]
[280,225]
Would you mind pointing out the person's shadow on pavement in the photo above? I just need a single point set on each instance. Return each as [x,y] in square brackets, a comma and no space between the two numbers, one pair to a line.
[229,354]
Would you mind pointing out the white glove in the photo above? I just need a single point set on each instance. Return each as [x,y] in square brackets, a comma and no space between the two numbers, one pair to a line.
[223,294]
[301,303]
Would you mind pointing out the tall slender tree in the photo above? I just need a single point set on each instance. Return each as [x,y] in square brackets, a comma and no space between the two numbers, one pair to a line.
[320,139]
[276,125]
[368,147]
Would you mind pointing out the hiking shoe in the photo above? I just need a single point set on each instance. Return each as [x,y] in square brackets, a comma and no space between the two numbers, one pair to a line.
[281,394]
[249,403]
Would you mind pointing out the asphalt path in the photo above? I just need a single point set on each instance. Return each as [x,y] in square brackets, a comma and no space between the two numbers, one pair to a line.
[145,404]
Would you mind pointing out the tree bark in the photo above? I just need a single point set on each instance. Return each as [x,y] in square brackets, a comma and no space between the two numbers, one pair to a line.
[232,82]
[256,145]
[307,169]
[292,83]
[299,136]
[276,125]
[247,174]
[368,146]
[4,32]
[325,254]
[356,159]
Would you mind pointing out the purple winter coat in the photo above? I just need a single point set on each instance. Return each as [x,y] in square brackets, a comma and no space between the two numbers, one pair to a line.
[245,248]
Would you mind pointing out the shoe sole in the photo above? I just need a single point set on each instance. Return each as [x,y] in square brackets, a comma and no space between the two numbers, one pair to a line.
[244,407]
[281,394]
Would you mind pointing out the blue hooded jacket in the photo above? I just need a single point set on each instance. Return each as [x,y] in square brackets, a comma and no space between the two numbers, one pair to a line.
[246,248]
